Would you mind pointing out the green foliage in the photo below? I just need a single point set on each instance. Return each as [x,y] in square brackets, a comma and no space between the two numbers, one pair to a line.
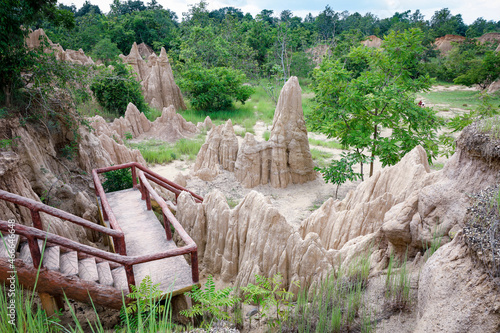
[144,306]
[216,88]
[336,304]
[117,180]
[15,59]
[128,136]
[356,105]
[482,72]
[210,303]
[105,50]
[486,110]
[9,143]
[115,88]
[340,171]
[398,284]
[327,144]
[160,152]
[269,294]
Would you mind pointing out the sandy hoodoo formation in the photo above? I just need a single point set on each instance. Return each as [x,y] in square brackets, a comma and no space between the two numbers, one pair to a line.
[401,209]
[38,166]
[158,84]
[218,152]
[36,37]
[284,159]
[170,126]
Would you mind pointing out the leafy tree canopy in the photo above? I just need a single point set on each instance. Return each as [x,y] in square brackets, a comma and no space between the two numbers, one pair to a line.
[16,17]
[355,105]
[215,88]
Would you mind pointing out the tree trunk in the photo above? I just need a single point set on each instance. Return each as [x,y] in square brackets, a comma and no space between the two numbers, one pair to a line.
[373,149]
[6,92]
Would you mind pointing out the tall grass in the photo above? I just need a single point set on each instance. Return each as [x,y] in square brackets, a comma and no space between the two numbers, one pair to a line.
[159,152]
[337,304]
[398,284]
[327,144]
[32,318]
[320,157]
[463,99]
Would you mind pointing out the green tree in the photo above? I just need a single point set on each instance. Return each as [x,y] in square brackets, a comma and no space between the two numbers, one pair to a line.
[482,72]
[15,18]
[215,88]
[355,107]
[115,88]
[443,22]
[105,50]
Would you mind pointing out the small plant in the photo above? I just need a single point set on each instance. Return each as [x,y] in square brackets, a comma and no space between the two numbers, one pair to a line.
[128,136]
[144,306]
[398,288]
[117,180]
[210,303]
[232,202]
[266,135]
[9,143]
[338,172]
[268,294]
[69,151]
[336,304]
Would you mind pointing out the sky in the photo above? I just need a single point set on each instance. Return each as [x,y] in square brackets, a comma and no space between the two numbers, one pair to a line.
[470,9]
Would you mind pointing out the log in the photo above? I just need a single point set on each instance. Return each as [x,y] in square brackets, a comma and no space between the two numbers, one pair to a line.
[56,284]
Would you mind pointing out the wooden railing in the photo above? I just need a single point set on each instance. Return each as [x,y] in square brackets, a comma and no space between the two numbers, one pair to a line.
[146,192]
[37,232]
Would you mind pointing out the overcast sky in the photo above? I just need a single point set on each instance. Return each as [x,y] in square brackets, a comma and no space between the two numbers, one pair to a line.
[470,9]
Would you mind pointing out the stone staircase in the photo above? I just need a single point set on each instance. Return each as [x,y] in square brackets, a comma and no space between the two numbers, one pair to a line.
[69,263]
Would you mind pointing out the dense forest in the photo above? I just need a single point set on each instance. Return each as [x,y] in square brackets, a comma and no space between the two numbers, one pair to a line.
[260,46]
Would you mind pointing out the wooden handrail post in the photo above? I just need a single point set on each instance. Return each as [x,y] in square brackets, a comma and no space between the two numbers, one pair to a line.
[37,221]
[35,251]
[134,177]
[194,266]
[143,189]
[166,223]
[148,199]
[129,270]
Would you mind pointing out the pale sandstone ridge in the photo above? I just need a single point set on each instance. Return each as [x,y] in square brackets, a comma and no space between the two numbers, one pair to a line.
[372,41]
[284,159]
[35,168]
[454,294]
[491,37]
[400,209]
[444,44]
[144,50]
[35,38]
[219,151]
[157,79]
[170,126]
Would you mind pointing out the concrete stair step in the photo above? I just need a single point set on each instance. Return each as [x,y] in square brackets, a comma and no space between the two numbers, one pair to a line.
[69,263]
[120,278]
[9,242]
[104,272]
[87,270]
[51,258]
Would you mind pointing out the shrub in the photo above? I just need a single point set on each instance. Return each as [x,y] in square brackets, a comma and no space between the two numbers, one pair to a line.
[216,88]
[117,180]
[115,88]
[209,302]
